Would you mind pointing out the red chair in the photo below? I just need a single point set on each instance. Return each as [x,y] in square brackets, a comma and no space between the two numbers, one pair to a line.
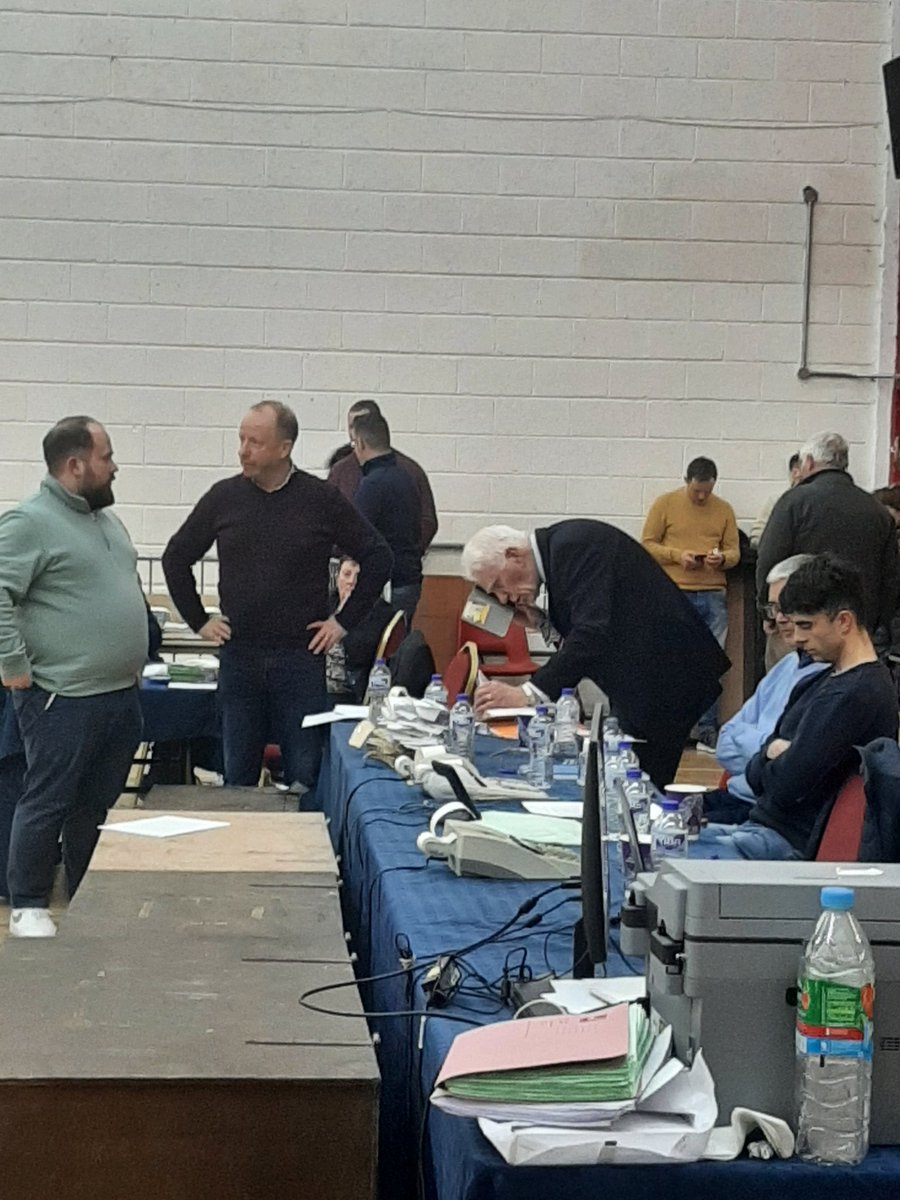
[513,647]
[461,673]
[843,831]
[392,635]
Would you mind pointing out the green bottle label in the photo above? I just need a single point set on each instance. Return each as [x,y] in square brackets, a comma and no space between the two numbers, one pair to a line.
[834,1020]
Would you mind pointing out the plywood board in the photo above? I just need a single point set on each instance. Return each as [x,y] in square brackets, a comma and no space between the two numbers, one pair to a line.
[282,842]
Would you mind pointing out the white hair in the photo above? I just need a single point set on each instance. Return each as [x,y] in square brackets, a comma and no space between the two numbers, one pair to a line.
[826,450]
[486,550]
[787,567]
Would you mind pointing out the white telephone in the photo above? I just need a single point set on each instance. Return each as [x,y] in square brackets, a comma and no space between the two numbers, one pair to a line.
[480,789]
[471,848]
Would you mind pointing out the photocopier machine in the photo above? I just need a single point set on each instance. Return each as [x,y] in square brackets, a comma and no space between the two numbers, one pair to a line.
[722,941]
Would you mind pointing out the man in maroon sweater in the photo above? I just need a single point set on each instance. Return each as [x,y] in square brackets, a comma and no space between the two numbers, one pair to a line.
[274,528]
[346,475]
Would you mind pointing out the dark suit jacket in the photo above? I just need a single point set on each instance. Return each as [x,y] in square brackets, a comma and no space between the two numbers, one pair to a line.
[345,475]
[828,512]
[628,627]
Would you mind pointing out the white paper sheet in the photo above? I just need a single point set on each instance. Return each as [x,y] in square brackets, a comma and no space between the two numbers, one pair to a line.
[184,686]
[619,989]
[550,830]
[507,714]
[163,827]
[554,808]
[341,712]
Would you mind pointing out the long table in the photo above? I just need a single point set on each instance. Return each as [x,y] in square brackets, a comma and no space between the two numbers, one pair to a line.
[395,902]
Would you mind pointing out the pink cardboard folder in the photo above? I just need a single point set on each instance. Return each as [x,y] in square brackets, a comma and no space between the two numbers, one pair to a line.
[538,1042]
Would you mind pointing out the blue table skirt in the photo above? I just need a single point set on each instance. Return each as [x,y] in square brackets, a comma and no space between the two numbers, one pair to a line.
[391,898]
[170,714]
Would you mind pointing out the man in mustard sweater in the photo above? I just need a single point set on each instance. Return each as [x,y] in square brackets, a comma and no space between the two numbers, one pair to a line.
[693,536]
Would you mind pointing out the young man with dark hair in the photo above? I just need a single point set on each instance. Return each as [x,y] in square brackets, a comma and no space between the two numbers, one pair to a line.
[799,770]
[693,536]
[388,497]
[345,474]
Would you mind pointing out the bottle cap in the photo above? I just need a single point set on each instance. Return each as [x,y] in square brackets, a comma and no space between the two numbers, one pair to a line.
[379,662]
[541,710]
[462,696]
[670,805]
[625,744]
[567,692]
[633,773]
[838,898]
[436,679]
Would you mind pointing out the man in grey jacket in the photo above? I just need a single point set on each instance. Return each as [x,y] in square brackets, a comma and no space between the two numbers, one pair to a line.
[827,513]
[73,641]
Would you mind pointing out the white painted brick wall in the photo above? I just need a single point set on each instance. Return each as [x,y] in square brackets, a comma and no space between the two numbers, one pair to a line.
[563,243]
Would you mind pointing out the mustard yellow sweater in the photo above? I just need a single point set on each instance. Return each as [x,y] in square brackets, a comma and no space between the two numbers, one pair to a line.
[674,524]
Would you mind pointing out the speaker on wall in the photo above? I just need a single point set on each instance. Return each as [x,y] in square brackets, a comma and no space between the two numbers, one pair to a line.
[891,72]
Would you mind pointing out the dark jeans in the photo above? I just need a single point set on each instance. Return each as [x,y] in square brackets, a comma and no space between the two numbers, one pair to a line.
[264,695]
[406,598]
[12,785]
[78,750]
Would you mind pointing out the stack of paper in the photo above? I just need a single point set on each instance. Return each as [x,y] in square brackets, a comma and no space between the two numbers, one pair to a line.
[580,1089]
[596,1058]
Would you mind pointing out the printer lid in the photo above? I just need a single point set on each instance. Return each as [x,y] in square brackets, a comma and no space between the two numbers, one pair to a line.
[713,899]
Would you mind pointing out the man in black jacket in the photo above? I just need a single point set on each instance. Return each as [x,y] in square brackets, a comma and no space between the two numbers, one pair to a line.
[827,513]
[624,624]
[799,770]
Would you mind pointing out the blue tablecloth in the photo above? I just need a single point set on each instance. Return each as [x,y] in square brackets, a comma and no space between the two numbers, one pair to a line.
[393,898]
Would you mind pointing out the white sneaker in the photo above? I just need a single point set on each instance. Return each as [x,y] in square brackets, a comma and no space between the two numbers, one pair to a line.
[31,923]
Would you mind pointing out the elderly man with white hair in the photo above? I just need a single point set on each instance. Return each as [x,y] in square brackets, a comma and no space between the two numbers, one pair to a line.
[624,625]
[827,513]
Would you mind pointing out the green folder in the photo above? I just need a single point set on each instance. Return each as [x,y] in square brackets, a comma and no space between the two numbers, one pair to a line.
[575,1083]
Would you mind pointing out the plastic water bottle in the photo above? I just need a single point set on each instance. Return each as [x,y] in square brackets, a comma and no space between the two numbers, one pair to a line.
[583,761]
[835,999]
[668,834]
[611,734]
[637,790]
[436,691]
[540,748]
[379,686]
[565,743]
[461,734]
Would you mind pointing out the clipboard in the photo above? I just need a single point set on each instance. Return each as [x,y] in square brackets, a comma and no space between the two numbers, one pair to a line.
[483,611]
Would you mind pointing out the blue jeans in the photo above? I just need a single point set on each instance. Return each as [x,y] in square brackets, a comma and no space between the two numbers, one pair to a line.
[264,695]
[712,608]
[756,841]
[78,751]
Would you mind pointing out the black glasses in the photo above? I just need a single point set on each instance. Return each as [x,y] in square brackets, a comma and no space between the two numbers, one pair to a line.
[769,611]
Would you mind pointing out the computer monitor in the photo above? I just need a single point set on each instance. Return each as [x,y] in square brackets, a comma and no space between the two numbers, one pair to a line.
[591,932]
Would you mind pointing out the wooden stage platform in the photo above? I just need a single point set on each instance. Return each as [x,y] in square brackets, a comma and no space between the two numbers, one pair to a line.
[155,1047]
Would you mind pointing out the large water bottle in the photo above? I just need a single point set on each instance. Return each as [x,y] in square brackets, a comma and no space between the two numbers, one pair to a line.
[379,686]
[637,792]
[461,733]
[835,999]
[668,834]
[436,691]
[540,748]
